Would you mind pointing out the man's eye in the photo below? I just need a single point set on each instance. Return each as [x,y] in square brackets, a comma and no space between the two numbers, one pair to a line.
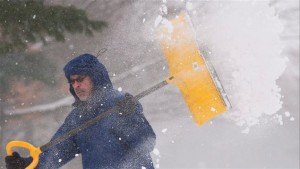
[80,79]
[72,81]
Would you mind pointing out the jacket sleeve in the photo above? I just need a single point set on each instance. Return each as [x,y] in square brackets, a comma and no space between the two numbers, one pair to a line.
[135,132]
[59,154]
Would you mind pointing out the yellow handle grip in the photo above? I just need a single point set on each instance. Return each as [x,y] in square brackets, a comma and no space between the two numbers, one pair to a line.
[33,151]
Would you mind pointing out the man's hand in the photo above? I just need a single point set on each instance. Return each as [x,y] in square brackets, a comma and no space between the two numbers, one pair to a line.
[15,161]
[127,104]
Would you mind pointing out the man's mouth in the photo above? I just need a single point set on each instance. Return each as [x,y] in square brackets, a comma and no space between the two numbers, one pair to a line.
[79,92]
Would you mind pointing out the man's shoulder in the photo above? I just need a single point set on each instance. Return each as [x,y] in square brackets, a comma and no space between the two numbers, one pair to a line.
[72,114]
[116,95]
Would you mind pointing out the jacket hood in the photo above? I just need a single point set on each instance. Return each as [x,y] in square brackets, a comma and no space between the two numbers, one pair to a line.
[88,64]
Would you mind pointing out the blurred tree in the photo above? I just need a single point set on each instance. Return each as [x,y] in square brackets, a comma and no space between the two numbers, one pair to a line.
[23,23]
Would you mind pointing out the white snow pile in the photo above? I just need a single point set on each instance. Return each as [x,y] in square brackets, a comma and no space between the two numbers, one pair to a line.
[245,48]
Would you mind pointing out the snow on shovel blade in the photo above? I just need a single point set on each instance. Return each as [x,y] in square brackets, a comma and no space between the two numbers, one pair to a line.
[197,81]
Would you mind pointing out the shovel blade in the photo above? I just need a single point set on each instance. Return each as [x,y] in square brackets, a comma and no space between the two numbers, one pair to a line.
[198,84]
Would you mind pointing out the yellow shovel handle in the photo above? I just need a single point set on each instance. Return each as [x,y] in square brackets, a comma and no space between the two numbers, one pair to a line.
[33,151]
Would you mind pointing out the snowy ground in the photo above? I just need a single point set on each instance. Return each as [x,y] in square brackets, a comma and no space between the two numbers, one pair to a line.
[248,45]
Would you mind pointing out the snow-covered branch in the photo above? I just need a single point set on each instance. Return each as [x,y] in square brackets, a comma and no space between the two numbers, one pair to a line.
[41,108]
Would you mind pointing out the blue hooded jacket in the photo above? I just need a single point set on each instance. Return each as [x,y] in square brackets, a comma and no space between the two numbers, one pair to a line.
[116,142]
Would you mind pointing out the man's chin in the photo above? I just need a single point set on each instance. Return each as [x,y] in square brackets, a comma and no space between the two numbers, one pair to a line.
[82,98]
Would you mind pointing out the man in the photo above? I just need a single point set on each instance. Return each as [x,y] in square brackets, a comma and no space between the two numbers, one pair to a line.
[122,140]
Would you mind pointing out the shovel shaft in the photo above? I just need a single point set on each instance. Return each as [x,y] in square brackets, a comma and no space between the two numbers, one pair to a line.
[152,89]
[76,130]
[36,151]
[101,116]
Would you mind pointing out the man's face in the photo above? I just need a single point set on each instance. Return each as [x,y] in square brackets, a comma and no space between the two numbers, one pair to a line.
[82,85]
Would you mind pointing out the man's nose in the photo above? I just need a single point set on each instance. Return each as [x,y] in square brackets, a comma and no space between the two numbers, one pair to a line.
[76,84]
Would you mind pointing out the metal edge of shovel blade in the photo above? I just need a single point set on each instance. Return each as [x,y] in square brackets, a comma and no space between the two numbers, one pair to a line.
[211,69]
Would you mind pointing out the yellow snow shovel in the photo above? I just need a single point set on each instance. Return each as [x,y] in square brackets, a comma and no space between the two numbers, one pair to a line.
[193,75]
[189,71]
